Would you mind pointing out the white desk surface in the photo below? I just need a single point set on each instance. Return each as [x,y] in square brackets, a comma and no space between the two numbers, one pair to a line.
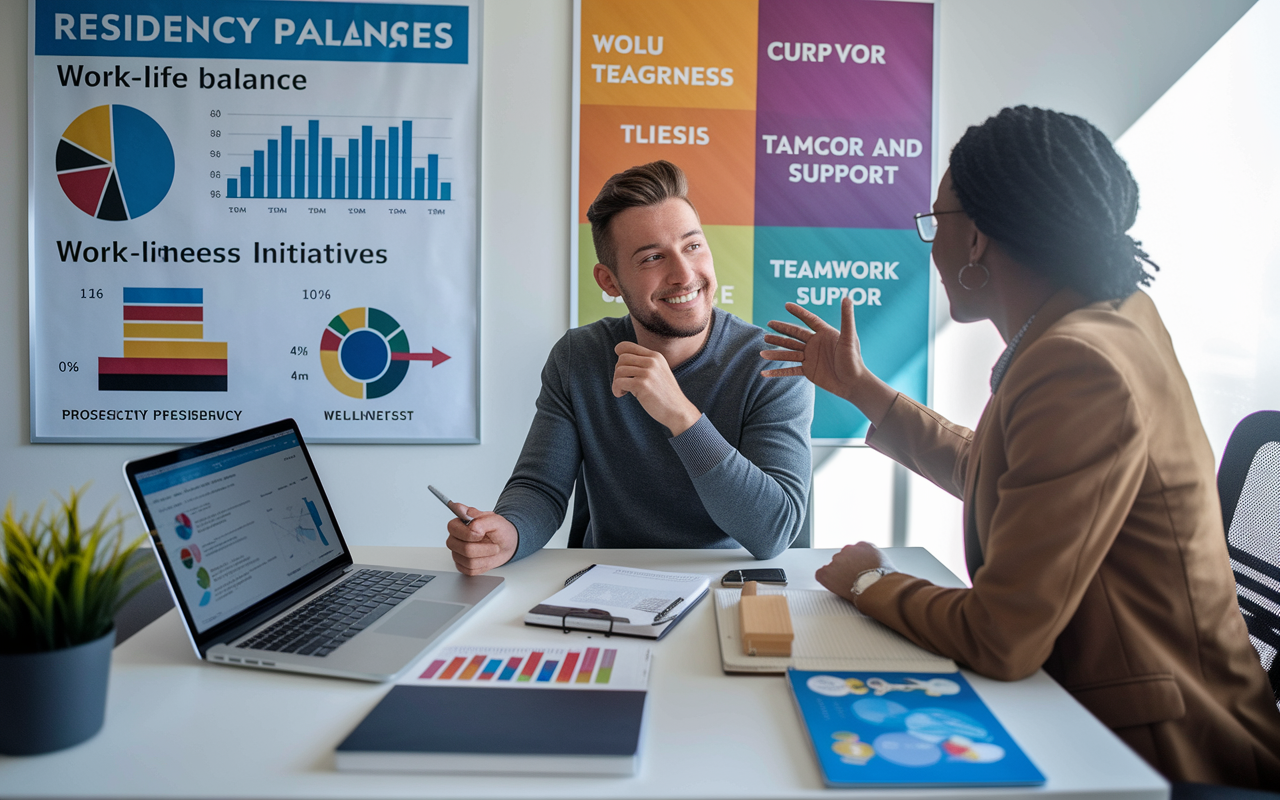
[176,727]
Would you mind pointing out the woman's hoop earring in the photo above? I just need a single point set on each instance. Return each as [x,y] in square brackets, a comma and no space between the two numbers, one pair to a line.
[986,276]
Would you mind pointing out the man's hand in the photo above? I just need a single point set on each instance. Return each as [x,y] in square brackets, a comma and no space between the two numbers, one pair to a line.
[489,541]
[646,374]
[848,564]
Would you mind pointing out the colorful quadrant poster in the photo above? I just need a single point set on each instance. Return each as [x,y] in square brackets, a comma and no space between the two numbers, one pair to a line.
[806,128]
[245,210]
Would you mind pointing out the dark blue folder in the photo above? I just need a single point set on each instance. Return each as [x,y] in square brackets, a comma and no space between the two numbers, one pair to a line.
[490,729]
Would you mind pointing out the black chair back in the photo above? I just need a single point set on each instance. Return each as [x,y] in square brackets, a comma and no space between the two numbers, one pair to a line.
[1249,487]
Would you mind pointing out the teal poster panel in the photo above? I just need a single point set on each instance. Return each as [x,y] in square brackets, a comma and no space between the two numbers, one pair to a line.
[886,272]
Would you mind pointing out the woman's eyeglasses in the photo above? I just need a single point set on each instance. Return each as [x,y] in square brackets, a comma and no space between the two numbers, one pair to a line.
[927,225]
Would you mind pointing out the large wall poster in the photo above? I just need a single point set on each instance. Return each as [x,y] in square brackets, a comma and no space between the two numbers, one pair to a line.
[243,210]
[807,130]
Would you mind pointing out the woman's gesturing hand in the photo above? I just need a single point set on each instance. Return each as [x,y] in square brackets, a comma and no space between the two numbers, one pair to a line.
[830,358]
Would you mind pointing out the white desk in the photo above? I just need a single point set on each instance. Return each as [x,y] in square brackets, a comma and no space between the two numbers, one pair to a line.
[178,728]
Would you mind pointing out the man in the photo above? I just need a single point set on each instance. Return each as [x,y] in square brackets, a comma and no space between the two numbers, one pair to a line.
[678,439]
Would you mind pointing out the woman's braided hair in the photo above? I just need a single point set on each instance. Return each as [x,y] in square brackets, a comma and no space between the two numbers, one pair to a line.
[1051,189]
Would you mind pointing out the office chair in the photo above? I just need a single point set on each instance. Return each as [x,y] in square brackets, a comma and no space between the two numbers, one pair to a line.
[1249,487]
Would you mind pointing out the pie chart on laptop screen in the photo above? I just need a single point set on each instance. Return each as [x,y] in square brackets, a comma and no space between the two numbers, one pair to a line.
[115,162]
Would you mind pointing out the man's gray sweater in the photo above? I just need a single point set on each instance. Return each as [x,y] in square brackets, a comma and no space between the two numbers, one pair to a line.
[739,476]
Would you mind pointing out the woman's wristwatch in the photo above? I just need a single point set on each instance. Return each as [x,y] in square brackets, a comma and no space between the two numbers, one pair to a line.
[866,578]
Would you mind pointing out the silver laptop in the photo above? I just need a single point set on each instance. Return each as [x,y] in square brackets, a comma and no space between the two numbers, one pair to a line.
[259,570]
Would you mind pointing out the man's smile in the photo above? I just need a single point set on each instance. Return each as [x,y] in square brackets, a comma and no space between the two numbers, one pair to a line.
[684,298]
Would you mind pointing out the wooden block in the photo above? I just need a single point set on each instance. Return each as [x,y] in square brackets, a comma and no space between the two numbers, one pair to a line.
[764,623]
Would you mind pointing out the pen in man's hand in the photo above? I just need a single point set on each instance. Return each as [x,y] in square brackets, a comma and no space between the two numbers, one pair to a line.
[449,505]
[661,616]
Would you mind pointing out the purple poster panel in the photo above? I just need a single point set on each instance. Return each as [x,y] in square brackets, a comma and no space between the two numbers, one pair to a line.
[843,113]
[844,153]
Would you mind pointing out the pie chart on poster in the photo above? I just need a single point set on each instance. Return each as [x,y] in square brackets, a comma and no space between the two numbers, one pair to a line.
[115,163]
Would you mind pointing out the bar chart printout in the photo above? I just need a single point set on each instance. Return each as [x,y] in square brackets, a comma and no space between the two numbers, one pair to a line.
[589,666]
[378,165]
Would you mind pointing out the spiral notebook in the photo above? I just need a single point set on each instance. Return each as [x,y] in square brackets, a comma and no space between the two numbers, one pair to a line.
[621,600]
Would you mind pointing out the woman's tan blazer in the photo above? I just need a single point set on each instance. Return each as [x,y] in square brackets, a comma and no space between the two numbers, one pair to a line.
[1095,543]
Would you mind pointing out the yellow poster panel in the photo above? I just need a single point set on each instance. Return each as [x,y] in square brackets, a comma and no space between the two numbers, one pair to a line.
[669,53]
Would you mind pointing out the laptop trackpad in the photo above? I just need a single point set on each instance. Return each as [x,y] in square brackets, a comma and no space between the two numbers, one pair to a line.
[420,619]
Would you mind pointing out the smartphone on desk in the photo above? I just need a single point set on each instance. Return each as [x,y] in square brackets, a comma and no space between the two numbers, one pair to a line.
[737,577]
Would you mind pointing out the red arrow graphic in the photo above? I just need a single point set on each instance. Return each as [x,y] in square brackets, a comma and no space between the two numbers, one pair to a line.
[435,357]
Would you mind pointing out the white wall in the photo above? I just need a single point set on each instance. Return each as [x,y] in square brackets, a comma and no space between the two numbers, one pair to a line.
[1105,59]
[1205,157]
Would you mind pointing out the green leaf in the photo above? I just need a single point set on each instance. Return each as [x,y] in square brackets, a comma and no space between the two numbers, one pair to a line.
[61,581]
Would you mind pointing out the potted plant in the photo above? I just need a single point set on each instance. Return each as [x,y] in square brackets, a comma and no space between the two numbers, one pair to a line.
[60,588]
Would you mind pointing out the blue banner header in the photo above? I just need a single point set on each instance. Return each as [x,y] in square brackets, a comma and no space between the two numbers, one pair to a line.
[166,477]
[253,29]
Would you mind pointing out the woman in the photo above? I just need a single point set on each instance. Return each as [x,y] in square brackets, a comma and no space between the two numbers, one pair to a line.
[1092,524]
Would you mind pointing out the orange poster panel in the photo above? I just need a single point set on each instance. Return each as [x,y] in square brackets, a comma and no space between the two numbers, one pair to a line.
[715,148]
[669,53]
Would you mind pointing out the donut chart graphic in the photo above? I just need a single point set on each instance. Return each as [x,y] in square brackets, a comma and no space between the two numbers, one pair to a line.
[114,162]
[365,353]
[182,526]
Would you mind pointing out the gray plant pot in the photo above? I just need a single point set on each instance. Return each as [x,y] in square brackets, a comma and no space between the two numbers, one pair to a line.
[56,698]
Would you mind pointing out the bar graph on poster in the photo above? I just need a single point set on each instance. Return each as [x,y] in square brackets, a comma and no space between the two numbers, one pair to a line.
[806,129]
[244,210]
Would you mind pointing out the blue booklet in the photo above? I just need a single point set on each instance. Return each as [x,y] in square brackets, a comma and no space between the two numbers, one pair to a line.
[906,729]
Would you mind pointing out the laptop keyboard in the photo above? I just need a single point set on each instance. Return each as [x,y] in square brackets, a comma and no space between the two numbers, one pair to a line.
[335,617]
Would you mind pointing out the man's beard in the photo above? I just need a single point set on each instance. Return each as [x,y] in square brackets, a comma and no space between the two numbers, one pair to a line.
[655,324]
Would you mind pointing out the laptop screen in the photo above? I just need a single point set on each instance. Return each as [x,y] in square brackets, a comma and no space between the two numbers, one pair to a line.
[239,524]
